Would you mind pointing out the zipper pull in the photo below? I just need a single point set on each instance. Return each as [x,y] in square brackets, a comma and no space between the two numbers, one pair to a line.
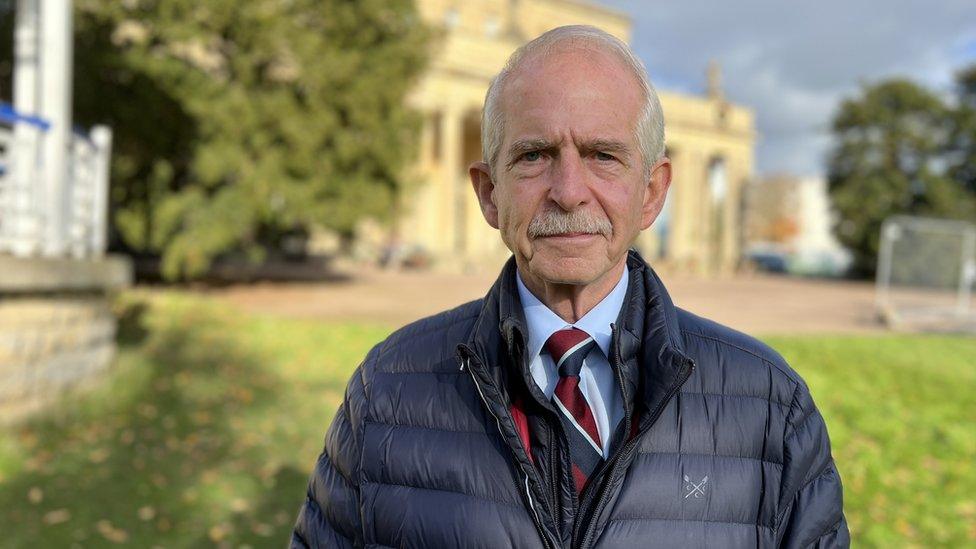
[460,355]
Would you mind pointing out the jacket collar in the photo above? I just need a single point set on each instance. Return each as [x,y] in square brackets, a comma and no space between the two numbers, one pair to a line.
[650,349]
[650,336]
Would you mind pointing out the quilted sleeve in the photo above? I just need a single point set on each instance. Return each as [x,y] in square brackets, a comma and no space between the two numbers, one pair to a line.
[330,515]
[811,498]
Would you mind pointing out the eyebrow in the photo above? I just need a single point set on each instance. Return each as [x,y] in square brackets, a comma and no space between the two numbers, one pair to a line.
[618,148]
[606,145]
[526,145]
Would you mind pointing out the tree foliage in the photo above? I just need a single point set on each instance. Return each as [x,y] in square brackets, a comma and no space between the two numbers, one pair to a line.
[900,149]
[237,123]
[962,146]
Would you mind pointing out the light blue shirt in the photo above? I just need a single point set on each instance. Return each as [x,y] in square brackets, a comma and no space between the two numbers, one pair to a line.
[597,380]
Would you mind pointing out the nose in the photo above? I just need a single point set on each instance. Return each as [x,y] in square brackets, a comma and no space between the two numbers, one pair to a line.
[568,187]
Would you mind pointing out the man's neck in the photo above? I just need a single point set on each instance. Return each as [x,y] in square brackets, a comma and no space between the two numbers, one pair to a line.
[572,301]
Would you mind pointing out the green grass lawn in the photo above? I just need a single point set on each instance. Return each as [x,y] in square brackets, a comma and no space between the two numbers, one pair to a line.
[208,428]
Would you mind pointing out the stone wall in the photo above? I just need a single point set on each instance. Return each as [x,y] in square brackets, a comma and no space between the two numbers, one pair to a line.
[57,330]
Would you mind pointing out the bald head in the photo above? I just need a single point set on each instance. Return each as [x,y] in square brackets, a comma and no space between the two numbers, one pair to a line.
[588,41]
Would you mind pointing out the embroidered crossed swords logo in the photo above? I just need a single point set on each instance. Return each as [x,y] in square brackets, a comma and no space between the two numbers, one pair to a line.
[693,489]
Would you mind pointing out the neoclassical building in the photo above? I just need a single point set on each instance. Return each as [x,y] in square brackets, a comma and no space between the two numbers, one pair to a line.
[709,140]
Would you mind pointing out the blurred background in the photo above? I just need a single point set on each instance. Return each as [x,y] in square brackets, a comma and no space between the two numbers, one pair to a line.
[211,210]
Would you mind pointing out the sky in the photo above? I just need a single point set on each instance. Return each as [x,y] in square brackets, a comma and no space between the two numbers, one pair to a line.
[793,62]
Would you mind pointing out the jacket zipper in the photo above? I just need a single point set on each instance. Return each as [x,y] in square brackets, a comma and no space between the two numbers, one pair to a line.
[628,449]
[543,532]
[553,481]
[555,509]
[628,418]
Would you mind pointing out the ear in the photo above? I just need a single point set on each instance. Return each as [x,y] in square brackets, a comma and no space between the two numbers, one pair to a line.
[657,190]
[484,189]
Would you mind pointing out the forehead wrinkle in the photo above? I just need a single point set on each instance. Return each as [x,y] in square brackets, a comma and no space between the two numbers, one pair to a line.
[539,73]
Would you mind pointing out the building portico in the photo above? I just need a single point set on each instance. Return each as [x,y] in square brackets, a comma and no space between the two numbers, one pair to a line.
[710,142]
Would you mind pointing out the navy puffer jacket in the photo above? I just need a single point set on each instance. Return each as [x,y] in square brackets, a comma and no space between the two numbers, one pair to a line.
[726,449]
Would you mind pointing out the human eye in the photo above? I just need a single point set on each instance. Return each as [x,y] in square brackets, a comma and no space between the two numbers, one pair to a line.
[531,156]
[605,156]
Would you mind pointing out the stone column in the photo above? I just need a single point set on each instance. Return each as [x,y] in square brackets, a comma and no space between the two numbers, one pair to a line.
[733,217]
[452,224]
[483,243]
[55,106]
[416,224]
[671,209]
[691,215]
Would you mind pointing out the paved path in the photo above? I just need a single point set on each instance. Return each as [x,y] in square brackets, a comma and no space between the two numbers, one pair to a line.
[756,304]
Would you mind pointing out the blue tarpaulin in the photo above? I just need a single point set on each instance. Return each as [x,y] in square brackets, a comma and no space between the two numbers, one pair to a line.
[10,116]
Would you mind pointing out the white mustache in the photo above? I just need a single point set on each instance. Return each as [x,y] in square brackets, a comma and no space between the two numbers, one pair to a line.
[553,222]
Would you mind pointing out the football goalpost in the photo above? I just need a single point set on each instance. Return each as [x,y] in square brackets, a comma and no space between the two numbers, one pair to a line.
[926,272]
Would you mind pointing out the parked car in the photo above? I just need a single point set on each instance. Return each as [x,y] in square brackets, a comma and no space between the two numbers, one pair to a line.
[769,262]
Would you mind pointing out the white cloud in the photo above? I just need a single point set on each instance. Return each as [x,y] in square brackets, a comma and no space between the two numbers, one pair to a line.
[793,62]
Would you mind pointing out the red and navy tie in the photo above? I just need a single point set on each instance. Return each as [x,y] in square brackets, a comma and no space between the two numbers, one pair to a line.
[568,347]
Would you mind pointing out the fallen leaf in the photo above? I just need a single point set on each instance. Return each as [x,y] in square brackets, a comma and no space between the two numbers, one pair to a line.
[57,516]
[35,495]
[190,495]
[148,411]
[110,532]
[98,455]
[127,437]
[210,476]
[28,438]
[163,524]
[147,512]
[239,505]
[159,480]
[218,532]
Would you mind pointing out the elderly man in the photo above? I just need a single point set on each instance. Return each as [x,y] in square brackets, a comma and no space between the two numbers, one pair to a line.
[575,405]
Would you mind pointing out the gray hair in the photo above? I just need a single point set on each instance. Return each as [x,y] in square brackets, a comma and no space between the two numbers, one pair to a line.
[650,123]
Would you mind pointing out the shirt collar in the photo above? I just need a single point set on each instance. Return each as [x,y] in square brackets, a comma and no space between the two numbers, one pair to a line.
[542,322]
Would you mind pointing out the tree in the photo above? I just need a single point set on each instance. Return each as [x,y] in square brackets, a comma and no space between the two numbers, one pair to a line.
[962,146]
[6,49]
[237,123]
[890,157]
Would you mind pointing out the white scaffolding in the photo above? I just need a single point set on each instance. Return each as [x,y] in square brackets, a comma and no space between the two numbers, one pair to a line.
[53,179]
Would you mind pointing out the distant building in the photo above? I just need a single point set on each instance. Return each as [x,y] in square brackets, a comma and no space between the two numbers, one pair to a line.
[817,249]
[709,140]
[791,216]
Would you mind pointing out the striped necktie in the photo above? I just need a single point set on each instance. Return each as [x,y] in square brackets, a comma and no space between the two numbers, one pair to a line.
[568,348]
